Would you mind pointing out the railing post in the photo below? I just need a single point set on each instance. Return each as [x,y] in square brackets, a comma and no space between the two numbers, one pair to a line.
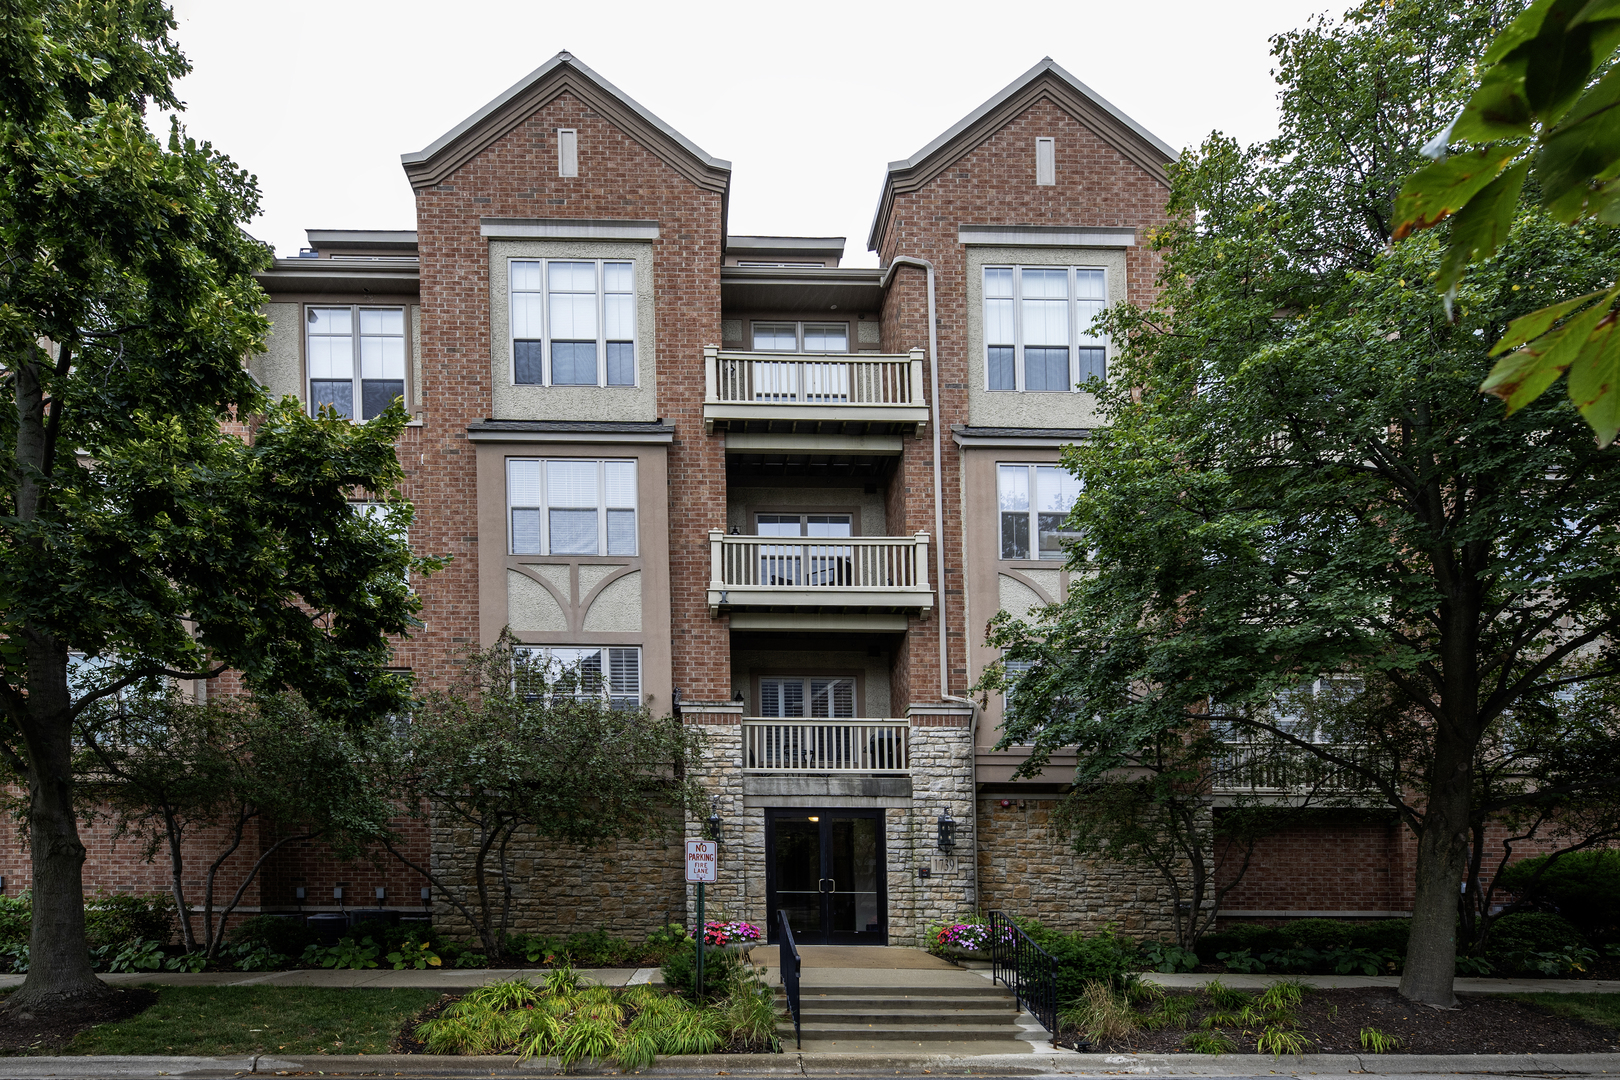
[920,553]
[916,376]
[711,373]
[717,540]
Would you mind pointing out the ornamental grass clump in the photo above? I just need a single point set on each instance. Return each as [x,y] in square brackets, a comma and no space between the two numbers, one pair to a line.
[575,1022]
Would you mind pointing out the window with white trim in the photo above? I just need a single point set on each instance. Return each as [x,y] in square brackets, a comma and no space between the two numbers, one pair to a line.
[356,356]
[1037,321]
[571,506]
[573,322]
[801,337]
[1034,500]
[389,516]
[1294,710]
[814,697]
[612,672]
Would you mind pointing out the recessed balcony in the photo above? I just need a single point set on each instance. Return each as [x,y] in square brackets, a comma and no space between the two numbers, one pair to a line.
[813,575]
[814,393]
[775,745]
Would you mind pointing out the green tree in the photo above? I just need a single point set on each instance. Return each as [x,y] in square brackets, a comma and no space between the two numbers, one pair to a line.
[1299,475]
[136,530]
[1540,114]
[522,745]
[175,775]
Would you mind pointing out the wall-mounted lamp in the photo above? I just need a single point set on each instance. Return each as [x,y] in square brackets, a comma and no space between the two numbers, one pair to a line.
[714,820]
[947,830]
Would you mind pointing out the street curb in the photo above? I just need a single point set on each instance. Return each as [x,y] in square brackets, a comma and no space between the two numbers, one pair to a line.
[796,1064]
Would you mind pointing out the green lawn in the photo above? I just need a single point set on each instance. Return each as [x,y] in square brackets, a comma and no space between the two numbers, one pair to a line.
[229,1020]
[1600,1009]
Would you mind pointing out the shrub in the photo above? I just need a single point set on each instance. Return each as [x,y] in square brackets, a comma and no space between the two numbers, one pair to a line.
[1318,934]
[1251,936]
[119,919]
[1583,887]
[286,936]
[597,948]
[1382,935]
[16,916]
[719,970]
[1537,943]
[1102,957]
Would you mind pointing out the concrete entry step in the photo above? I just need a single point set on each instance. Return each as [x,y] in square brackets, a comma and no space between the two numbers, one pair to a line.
[987,989]
[929,1009]
[910,1033]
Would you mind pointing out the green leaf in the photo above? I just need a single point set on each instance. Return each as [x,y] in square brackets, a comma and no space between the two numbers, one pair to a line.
[1479,228]
[1522,29]
[1520,378]
[1498,109]
[1437,191]
[1584,146]
[1529,327]
[1594,380]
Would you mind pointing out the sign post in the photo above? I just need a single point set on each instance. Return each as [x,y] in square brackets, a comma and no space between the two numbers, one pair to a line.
[702,862]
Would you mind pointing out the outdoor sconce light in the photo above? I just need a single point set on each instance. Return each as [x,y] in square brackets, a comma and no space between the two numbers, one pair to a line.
[947,830]
[714,821]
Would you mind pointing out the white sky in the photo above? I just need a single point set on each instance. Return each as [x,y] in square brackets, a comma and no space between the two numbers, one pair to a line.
[319,98]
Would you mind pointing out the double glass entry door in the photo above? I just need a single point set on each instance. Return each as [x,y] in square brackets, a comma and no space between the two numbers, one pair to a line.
[825,868]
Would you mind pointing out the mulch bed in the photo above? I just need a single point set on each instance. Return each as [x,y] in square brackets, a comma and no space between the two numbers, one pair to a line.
[41,1032]
[1481,1024]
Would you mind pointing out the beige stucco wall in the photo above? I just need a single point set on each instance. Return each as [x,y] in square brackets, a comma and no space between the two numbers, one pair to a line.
[743,502]
[280,368]
[1011,408]
[512,402]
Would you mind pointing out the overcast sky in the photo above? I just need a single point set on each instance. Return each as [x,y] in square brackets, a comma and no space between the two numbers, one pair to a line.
[319,98]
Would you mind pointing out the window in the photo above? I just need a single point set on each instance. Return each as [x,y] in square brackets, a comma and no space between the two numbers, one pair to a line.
[388,516]
[1036,327]
[571,506]
[573,322]
[1294,710]
[356,355]
[801,337]
[1045,162]
[567,152]
[817,698]
[810,564]
[1015,671]
[589,671]
[1034,500]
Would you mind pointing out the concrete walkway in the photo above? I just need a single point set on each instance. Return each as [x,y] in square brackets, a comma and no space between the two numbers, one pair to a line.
[1353,982]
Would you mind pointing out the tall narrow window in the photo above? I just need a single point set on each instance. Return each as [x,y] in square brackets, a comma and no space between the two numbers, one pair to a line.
[567,152]
[356,357]
[1045,162]
[571,506]
[1037,327]
[573,322]
[1034,500]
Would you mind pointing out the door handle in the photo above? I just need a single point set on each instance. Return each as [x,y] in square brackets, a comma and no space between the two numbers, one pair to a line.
[832,885]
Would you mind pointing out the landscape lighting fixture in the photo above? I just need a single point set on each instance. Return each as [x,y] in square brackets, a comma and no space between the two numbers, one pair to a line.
[714,820]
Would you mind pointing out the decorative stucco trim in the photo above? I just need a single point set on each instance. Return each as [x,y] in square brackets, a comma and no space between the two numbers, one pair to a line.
[1046,236]
[565,229]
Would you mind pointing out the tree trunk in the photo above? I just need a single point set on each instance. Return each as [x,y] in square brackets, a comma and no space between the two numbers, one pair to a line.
[1442,863]
[59,971]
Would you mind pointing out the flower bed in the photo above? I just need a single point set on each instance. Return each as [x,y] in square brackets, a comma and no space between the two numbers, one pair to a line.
[731,933]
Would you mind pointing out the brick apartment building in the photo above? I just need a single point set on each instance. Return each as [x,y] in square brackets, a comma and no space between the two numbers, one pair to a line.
[775,495]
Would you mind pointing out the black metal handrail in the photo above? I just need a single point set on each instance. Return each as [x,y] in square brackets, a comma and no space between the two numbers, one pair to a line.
[789,966]
[1028,970]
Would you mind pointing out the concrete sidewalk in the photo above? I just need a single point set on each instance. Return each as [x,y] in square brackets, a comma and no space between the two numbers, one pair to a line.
[794,1064]
[1358,982]
[373,978]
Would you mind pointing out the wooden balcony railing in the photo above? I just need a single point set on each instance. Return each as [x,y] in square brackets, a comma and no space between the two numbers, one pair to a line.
[1273,769]
[776,745]
[888,572]
[885,389]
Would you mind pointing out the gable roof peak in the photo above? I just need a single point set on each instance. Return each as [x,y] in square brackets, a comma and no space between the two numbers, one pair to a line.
[564,71]
[1107,120]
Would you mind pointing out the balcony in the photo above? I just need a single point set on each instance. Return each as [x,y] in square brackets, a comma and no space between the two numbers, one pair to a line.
[775,746]
[832,575]
[849,394]
[1267,768]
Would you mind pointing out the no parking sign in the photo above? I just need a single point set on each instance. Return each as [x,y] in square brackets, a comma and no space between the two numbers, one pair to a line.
[702,861]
